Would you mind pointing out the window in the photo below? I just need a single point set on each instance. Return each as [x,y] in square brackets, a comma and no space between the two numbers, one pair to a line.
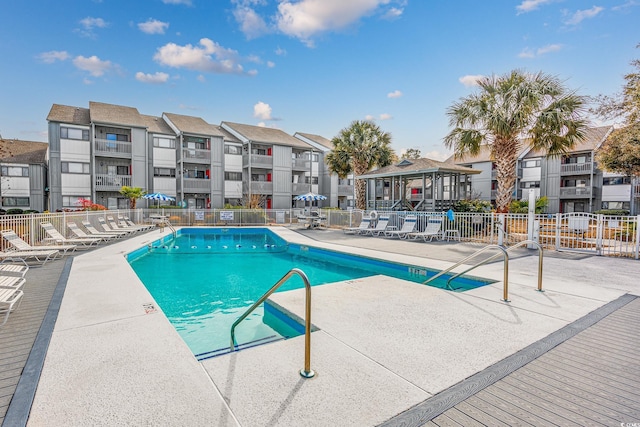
[530,184]
[313,179]
[232,149]
[616,205]
[15,201]
[164,142]
[73,167]
[194,174]
[73,133]
[233,176]
[72,201]
[117,137]
[165,172]
[122,170]
[531,163]
[15,171]
[616,180]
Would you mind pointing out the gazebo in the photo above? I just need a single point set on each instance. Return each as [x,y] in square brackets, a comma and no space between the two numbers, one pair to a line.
[417,185]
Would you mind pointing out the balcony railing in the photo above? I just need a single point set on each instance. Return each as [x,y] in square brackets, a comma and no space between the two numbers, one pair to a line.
[196,185]
[111,182]
[345,190]
[300,164]
[300,188]
[258,161]
[576,192]
[196,155]
[109,148]
[261,187]
[576,168]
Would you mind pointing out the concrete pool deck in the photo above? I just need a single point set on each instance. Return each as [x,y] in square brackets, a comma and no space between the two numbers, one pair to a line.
[384,345]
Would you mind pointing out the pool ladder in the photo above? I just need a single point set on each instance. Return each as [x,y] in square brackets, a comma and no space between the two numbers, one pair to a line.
[306,372]
[505,253]
[166,223]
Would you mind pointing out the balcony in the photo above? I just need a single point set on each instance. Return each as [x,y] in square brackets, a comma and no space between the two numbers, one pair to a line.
[258,161]
[300,164]
[345,190]
[109,148]
[576,192]
[261,187]
[194,155]
[196,185]
[111,182]
[576,168]
[300,188]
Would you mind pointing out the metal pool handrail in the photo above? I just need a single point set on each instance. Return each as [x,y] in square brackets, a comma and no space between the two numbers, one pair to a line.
[306,372]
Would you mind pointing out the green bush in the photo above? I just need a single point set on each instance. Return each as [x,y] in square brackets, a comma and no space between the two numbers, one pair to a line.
[612,212]
[29,211]
[522,206]
[15,211]
[469,205]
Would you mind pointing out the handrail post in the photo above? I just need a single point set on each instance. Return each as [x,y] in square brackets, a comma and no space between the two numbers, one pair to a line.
[505,280]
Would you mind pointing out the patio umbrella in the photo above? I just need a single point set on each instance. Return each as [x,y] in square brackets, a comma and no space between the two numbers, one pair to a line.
[159,197]
[310,197]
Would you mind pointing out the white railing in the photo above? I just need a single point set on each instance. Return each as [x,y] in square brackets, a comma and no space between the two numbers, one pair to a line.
[196,154]
[575,191]
[109,147]
[300,164]
[258,161]
[197,185]
[576,168]
[107,182]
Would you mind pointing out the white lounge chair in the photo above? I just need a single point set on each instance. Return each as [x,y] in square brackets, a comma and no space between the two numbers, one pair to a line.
[95,232]
[11,282]
[364,225]
[80,233]
[114,225]
[15,270]
[108,229]
[381,226]
[57,237]
[144,227]
[39,256]
[433,229]
[20,245]
[9,298]
[408,226]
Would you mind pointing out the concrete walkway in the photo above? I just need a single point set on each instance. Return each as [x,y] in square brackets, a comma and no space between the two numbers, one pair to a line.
[384,345]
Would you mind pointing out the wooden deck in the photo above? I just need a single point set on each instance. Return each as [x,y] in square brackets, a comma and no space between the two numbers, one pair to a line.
[589,379]
[18,335]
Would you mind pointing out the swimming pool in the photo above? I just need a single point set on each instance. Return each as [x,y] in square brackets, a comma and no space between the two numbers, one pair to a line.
[204,279]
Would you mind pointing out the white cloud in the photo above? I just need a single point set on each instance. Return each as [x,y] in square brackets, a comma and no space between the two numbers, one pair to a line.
[436,155]
[90,23]
[252,72]
[280,52]
[581,15]
[201,78]
[87,81]
[94,65]
[369,117]
[529,5]
[153,26]
[627,5]
[251,24]
[271,64]
[393,13]
[185,2]
[385,116]
[394,94]
[526,53]
[209,57]
[529,53]
[155,78]
[262,111]
[471,79]
[53,56]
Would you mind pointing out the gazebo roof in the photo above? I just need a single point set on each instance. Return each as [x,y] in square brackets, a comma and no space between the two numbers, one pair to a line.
[412,168]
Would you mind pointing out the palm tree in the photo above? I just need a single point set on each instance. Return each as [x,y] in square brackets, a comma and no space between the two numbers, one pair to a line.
[357,149]
[535,109]
[133,194]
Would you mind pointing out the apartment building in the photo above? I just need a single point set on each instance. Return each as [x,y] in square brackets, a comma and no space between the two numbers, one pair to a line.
[571,182]
[95,151]
[23,175]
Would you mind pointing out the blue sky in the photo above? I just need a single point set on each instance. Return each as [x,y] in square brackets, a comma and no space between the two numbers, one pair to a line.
[300,65]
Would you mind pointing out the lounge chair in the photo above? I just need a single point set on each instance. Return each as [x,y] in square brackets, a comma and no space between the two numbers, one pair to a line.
[381,227]
[9,298]
[433,229]
[144,227]
[114,225]
[39,256]
[55,235]
[95,232]
[11,282]
[80,233]
[364,225]
[108,229]
[408,226]
[17,242]
[15,270]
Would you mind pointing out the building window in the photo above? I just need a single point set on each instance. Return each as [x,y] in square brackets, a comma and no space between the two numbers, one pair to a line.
[164,142]
[233,176]
[311,180]
[73,133]
[15,171]
[194,174]
[15,201]
[117,137]
[616,205]
[232,149]
[73,167]
[122,170]
[164,172]
[72,201]
[616,180]
[530,184]
[531,163]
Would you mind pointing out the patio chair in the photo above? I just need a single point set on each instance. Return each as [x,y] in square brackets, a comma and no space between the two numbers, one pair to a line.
[55,235]
[95,232]
[108,229]
[130,223]
[408,226]
[11,282]
[38,256]
[433,229]
[14,270]
[381,227]
[80,233]
[364,225]
[20,245]
[9,298]
[114,225]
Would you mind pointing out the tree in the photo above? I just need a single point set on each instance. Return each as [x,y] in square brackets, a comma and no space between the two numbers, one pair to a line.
[133,194]
[358,149]
[620,153]
[518,107]
[411,153]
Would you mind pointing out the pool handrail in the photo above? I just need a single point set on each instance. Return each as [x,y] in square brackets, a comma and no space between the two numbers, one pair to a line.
[306,372]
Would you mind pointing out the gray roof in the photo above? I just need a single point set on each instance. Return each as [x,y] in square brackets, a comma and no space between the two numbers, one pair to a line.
[228,136]
[415,167]
[320,140]
[25,152]
[267,135]
[68,114]
[157,125]
[193,125]
[115,114]
[593,138]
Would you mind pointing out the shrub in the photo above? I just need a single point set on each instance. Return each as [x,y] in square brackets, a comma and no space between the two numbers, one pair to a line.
[472,205]
[15,211]
[522,206]
[612,212]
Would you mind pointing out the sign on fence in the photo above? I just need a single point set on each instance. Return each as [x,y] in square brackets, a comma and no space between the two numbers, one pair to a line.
[226,215]
[279,217]
[199,215]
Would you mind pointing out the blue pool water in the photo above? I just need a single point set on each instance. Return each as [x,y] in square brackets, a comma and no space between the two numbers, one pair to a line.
[206,278]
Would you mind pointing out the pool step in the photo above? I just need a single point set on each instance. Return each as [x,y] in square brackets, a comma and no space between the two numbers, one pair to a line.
[243,346]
